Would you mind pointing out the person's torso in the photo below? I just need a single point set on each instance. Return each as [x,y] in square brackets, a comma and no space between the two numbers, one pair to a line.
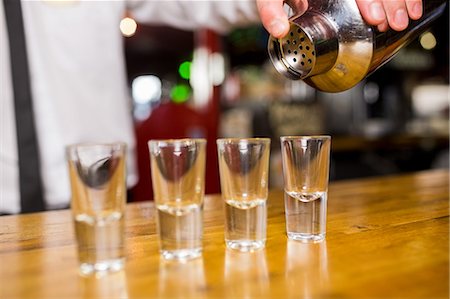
[78,82]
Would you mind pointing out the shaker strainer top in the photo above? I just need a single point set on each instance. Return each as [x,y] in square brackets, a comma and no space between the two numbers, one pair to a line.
[298,50]
[310,47]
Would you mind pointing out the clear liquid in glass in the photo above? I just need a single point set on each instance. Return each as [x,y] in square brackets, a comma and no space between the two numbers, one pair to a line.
[306,216]
[101,242]
[180,231]
[245,224]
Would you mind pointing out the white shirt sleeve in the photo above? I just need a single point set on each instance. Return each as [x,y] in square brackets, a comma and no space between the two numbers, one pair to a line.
[218,15]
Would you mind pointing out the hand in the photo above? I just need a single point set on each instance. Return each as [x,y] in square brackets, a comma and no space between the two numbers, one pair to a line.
[381,13]
[390,13]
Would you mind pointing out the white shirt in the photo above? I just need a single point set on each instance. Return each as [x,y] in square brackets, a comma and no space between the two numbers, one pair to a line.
[78,79]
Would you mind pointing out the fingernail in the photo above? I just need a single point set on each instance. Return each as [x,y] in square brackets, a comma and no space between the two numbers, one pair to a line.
[377,12]
[417,9]
[401,18]
[278,28]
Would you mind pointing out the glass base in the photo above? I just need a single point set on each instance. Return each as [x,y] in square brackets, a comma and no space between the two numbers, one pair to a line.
[101,268]
[245,245]
[306,238]
[182,254]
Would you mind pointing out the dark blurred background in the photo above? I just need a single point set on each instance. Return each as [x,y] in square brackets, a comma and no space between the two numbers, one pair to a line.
[201,84]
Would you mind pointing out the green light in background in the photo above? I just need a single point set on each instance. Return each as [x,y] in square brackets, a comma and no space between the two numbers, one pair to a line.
[185,70]
[180,93]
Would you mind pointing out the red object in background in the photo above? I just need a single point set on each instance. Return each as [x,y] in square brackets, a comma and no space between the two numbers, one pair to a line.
[173,121]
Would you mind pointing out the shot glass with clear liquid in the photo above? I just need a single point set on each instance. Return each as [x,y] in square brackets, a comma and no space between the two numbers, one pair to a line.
[306,161]
[178,178]
[244,170]
[97,178]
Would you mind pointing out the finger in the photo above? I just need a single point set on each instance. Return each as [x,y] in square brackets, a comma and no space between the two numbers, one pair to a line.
[414,8]
[298,6]
[273,17]
[383,26]
[372,11]
[396,14]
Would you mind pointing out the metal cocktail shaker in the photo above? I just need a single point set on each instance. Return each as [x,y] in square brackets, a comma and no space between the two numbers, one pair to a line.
[332,49]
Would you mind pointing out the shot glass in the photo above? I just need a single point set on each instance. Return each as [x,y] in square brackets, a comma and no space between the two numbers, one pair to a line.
[178,178]
[244,170]
[306,161]
[97,178]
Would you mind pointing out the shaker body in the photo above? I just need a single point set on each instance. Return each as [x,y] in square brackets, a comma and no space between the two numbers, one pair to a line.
[387,44]
[343,49]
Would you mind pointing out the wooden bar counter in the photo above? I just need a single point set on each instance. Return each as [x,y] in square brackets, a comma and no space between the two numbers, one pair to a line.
[387,237]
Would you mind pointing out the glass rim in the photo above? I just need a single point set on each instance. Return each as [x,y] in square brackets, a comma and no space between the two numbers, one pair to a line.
[175,141]
[305,137]
[73,146]
[238,139]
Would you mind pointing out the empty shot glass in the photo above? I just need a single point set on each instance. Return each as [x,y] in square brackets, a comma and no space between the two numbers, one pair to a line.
[178,178]
[97,177]
[306,161]
[244,170]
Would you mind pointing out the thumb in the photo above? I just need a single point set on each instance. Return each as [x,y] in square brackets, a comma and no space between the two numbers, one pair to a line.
[273,17]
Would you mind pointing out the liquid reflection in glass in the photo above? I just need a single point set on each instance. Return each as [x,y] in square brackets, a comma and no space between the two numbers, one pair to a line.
[306,270]
[182,280]
[246,274]
[114,285]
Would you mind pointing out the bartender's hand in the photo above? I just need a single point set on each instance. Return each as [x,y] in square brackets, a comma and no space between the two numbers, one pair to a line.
[381,13]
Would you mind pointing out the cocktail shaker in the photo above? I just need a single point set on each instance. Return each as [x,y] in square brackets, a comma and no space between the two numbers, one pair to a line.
[332,49]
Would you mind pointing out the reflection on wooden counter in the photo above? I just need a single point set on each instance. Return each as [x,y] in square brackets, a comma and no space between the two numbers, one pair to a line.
[387,237]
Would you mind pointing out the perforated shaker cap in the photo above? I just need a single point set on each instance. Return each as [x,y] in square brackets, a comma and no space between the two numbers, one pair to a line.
[308,49]
[298,50]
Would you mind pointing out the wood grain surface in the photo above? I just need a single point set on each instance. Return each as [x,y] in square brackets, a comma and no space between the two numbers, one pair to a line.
[387,237]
